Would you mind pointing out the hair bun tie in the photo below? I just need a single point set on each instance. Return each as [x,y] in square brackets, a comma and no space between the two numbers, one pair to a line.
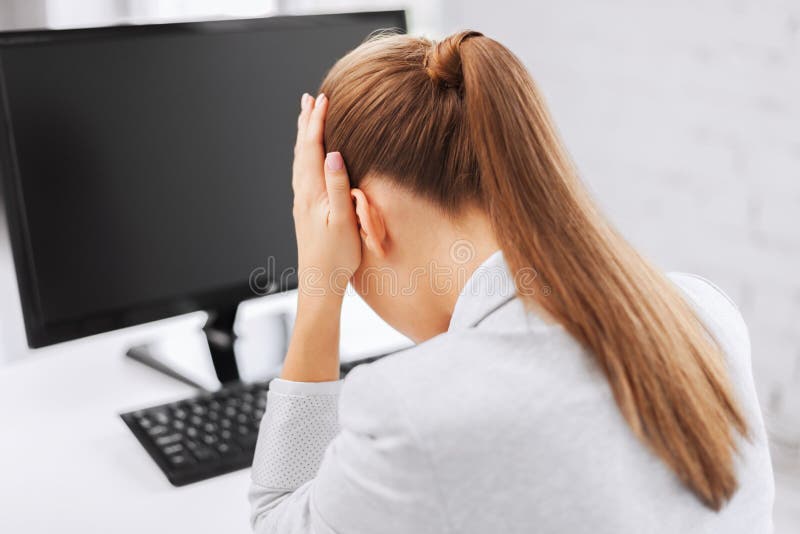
[443,61]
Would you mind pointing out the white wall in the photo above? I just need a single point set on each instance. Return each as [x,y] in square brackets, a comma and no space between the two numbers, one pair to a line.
[423,16]
[21,14]
[684,118]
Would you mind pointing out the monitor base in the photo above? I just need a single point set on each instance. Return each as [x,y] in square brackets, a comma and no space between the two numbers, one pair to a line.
[186,357]
[144,355]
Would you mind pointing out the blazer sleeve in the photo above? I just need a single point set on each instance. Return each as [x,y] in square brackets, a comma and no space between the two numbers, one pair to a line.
[364,471]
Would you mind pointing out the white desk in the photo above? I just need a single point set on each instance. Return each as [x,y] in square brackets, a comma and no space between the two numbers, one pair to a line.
[69,464]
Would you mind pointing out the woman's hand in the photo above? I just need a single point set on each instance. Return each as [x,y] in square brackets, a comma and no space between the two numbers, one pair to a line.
[328,242]
[328,248]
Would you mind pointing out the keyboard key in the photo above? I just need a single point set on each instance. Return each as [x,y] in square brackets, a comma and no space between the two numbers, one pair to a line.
[226,448]
[157,430]
[168,439]
[173,449]
[200,451]
[179,460]
[161,418]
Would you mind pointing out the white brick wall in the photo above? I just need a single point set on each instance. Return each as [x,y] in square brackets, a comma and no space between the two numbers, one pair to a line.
[684,118]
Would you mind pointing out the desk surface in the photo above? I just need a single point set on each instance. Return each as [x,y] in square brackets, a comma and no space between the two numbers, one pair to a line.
[69,464]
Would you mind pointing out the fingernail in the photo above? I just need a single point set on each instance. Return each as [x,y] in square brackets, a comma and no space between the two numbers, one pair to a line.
[334,161]
[304,100]
[321,98]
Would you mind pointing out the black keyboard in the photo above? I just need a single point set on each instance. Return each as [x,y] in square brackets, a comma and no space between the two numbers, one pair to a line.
[207,435]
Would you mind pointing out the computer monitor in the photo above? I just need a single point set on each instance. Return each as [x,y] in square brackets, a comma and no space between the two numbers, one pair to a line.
[147,169]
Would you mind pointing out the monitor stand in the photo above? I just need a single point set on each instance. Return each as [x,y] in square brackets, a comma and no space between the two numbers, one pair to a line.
[221,340]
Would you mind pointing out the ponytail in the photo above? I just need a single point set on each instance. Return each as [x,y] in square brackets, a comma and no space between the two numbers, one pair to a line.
[665,372]
[461,121]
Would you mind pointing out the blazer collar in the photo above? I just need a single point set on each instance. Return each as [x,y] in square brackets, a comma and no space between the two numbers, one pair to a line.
[489,287]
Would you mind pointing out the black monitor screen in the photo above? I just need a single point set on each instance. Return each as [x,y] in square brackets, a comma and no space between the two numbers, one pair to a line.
[155,166]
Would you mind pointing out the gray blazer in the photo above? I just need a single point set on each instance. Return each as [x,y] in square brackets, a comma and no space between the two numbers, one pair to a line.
[502,424]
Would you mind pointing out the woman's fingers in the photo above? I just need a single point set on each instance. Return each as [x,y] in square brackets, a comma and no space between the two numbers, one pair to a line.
[306,105]
[316,122]
[337,184]
[307,178]
[324,216]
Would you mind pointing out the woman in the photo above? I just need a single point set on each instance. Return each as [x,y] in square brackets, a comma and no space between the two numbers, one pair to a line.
[560,382]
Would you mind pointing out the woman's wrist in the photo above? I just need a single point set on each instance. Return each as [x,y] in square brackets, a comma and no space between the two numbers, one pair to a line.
[324,306]
[323,284]
[313,354]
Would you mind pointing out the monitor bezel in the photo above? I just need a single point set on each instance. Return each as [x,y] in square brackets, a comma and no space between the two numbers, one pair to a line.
[40,333]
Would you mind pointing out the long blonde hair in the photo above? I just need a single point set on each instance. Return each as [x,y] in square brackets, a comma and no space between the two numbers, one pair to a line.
[461,122]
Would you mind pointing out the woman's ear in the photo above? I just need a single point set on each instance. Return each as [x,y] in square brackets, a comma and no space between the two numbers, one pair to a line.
[370,223]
